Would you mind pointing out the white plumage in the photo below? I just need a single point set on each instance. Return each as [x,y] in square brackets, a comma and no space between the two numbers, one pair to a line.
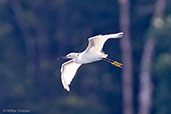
[68,72]
[92,53]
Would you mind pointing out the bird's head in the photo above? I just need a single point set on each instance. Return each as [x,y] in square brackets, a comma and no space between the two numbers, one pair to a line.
[72,55]
[69,56]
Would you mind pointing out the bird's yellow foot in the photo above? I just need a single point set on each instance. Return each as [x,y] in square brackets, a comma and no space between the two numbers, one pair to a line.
[117,64]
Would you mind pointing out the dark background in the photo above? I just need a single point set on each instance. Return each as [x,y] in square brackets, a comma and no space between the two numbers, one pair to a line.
[33,33]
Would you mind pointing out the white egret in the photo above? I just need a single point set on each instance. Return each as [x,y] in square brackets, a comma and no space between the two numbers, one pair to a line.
[91,54]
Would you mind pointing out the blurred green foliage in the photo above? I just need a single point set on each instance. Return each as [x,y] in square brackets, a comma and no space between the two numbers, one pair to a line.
[34,33]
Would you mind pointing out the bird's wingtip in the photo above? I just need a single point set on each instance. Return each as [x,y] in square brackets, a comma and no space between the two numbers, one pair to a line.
[65,85]
[67,88]
[120,34]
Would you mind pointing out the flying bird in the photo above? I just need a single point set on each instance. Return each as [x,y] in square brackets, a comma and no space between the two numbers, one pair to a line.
[91,54]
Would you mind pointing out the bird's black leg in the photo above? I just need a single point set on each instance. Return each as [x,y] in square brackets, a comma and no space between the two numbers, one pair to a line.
[115,63]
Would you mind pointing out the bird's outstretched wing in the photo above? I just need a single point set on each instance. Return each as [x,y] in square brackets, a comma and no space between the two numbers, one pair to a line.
[68,71]
[96,43]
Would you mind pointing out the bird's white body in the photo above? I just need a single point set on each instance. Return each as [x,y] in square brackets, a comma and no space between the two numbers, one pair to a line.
[91,54]
[85,57]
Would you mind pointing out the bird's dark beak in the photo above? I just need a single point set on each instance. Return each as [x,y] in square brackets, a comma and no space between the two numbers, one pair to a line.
[63,57]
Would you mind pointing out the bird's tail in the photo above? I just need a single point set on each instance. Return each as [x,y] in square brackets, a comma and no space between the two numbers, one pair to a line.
[117,35]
